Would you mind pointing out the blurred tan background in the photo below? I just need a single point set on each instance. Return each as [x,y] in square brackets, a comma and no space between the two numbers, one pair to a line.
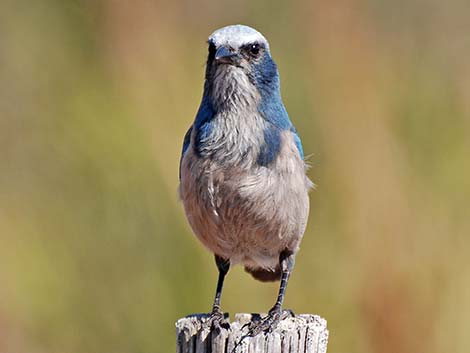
[95,97]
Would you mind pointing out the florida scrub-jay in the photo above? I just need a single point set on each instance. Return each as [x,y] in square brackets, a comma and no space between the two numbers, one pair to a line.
[243,179]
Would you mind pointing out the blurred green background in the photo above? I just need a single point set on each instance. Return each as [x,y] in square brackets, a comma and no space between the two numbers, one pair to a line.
[95,97]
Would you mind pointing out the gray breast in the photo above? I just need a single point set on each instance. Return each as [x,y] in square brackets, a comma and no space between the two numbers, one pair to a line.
[242,211]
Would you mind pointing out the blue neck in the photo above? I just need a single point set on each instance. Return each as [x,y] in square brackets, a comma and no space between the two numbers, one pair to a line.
[265,78]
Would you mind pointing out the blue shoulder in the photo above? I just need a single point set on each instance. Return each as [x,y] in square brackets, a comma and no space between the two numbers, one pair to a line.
[202,127]
[275,113]
[270,147]
[273,110]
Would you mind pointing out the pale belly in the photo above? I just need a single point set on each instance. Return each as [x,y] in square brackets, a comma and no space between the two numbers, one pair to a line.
[247,215]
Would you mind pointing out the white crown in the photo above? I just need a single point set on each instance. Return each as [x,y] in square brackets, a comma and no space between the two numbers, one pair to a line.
[237,35]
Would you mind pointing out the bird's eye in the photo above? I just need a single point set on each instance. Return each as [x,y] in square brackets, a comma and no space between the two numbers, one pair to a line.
[254,49]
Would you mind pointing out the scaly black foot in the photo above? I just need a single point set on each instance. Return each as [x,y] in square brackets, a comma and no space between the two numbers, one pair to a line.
[218,321]
[270,322]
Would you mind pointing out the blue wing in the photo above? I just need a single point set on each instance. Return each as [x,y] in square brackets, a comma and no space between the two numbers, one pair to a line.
[274,111]
[186,142]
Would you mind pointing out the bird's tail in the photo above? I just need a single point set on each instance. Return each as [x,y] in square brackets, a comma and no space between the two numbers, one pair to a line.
[265,275]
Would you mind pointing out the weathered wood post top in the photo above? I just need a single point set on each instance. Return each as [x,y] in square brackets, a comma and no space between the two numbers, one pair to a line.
[303,333]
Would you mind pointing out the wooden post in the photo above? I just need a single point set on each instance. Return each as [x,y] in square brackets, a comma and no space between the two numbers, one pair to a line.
[303,333]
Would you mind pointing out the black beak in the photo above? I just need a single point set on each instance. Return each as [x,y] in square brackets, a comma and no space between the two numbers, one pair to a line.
[225,56]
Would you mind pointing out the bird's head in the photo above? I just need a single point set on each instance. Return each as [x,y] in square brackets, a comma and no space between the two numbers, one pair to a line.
[240,69]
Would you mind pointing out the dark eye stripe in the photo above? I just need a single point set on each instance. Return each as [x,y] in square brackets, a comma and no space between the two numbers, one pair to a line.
[211,49]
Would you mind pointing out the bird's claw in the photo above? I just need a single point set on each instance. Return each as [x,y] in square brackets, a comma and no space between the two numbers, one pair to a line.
[269,323]
[218,321]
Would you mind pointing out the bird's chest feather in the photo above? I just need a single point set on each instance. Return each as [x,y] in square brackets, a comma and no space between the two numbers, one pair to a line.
[230,139]
[232,201]
[220,161]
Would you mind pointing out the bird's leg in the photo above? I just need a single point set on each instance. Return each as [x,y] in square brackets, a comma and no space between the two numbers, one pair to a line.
[287,261]
[269,323]
[217,318]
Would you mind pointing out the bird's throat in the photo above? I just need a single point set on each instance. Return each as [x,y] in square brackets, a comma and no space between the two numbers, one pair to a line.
[232,90]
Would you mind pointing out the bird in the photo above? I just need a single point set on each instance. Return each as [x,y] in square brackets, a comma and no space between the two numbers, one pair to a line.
[243,181]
